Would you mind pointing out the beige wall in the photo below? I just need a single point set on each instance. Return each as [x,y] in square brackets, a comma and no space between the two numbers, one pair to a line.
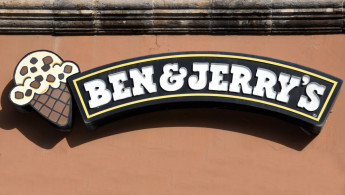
[194,151]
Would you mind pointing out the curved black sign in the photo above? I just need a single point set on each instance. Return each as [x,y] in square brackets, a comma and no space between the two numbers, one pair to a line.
[206,79]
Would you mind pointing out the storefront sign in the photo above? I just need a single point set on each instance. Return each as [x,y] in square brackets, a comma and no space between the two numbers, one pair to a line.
[196,79]
[40,84]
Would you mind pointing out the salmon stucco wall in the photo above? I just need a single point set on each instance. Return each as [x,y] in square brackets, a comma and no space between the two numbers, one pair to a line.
[186,151]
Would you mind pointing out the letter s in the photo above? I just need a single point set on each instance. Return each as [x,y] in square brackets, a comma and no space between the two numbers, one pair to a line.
[313,90]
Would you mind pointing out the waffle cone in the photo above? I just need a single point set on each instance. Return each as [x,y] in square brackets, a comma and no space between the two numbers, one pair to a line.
[54,105]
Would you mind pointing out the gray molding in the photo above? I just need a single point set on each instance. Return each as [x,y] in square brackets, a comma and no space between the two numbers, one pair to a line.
[91,17]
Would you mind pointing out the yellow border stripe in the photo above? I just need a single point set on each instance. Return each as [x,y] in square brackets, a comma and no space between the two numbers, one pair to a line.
[205,94]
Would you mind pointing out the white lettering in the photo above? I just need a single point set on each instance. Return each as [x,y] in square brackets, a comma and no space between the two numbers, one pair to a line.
[241,77]
[218,70]
[266,80]
[195,82]
[283,95]
[118,79]
[171,82]
[142,79]
[313,90]
[98,92]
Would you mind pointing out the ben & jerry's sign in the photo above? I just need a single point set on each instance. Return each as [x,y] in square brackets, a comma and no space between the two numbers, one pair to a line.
[189,79]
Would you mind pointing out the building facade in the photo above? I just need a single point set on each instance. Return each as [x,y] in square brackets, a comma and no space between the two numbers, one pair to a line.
[172,151]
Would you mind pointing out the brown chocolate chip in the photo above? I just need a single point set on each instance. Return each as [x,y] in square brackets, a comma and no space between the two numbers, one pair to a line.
[24,70]
[33,60]
[28,92]
[19,95]
[61,76]
[47,60]
[35,85]
[39,78]
[33,69]
[50,78]
[45,68]
[68,69]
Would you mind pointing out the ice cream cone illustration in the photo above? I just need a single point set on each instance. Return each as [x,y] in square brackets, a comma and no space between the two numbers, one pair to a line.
[40,79]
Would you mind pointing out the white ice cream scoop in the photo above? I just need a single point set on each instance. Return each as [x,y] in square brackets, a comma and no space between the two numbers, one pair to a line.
[37,72]
[40,79]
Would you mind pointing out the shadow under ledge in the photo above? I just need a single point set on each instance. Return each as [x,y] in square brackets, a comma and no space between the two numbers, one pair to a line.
[43,134]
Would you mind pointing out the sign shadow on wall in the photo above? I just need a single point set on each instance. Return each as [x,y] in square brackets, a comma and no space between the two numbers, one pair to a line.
[43,134]
[32,126]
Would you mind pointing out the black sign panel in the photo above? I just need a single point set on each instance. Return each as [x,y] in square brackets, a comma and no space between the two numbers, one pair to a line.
[206,79]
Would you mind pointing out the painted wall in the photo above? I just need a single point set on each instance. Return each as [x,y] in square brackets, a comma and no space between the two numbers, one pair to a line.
[188,151]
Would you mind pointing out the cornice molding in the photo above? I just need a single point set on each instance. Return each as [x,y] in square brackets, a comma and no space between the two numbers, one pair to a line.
[93,17]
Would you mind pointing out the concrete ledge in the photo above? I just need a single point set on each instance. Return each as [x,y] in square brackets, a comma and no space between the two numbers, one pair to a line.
[65,17]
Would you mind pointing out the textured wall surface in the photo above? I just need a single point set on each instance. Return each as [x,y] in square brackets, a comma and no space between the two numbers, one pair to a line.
[60,17]
[188,151]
